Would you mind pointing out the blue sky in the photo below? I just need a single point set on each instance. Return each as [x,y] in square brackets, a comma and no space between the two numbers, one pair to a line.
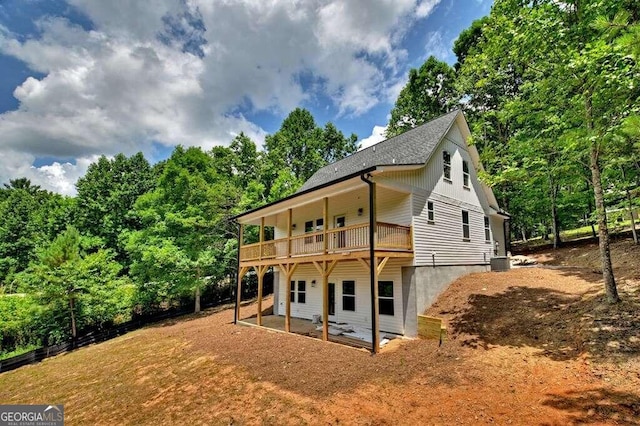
[82,78]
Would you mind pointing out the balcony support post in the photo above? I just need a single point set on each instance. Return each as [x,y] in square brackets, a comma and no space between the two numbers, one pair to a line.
[289,224]
[236,315]
[325,224]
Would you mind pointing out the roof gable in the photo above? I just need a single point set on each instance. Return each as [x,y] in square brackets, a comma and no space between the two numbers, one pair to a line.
[410,148]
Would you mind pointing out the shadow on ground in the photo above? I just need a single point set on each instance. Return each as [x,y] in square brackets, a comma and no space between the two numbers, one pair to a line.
[598,406]
[562,326]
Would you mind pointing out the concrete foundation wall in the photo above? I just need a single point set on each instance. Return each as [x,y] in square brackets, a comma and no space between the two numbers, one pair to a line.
[421,285]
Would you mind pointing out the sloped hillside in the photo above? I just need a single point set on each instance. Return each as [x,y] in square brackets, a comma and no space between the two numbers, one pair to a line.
[529,346]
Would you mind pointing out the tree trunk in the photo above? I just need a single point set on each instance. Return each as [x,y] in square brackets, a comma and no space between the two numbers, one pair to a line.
[554,216]
[633,220]
[74,333]
[197,296]
[590,206]
[524,234]
[603,230]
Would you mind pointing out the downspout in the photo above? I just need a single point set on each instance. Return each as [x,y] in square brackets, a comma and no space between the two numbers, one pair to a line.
[372,262]
[237,297]
[505,232]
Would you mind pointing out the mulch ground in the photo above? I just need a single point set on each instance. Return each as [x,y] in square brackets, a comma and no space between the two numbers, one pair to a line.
[529,346]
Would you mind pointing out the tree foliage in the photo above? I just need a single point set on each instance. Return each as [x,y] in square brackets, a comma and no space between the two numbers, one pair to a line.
[430,92]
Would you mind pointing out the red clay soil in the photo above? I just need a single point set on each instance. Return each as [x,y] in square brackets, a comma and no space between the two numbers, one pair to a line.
[528,346]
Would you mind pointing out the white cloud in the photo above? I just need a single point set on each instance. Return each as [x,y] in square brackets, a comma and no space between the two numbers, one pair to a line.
[425,7]
[436,46]
[377,135]
[134,79]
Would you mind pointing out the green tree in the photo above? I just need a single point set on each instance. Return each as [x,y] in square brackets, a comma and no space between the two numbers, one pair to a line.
[185,230]
[430,92]
[107,193]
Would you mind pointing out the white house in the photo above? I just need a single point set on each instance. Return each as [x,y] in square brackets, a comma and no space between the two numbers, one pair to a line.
[416,196]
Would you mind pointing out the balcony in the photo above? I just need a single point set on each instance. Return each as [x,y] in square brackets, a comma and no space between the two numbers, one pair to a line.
[390,237]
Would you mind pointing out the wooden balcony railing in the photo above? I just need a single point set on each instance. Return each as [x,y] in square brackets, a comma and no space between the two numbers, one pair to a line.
[355,237]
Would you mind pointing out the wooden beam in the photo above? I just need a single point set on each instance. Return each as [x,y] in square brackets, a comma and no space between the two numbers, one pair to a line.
[289,225]
[261,235]
[332,267]
[325,302]
[284,267]
[260,281]
[352,255]
[325,220]
[364,263]
[241,272]
[319,267]
[382,264]
[287,316]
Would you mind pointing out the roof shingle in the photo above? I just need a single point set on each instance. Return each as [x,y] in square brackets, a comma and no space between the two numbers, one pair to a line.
[412,147]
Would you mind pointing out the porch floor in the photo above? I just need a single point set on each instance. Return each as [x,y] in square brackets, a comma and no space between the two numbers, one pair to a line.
[306,327]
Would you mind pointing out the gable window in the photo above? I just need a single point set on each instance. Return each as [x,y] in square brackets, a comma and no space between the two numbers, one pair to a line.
[385,297]
[465,174]
[465,225]
[446,160]
[430,212]
[348,295]
[302,292]
[487,230]
[292,292]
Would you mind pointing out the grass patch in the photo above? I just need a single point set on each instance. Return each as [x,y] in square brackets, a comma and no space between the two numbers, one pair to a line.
[18,351]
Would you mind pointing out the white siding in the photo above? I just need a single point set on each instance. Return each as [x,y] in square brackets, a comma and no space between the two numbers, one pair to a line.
[346,270]
[450,198]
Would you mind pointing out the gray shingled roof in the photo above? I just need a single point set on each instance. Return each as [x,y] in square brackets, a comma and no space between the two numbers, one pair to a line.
[412,147]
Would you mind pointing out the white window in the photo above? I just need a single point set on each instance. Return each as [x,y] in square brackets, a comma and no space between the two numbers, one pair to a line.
[487,230]
[348,295]
[465,174]
[446,160]
[302,292]
[385,297]
[465,225]
[430,212]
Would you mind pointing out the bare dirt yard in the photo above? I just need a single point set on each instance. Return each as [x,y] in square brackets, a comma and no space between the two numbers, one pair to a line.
[529,346]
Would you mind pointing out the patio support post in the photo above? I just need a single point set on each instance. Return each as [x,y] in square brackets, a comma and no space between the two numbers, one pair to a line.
[236,314]
[260,270]
[373,266]
[325,302]
[289,270]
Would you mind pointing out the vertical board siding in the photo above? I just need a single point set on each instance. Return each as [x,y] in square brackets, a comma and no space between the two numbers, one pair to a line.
[346,270]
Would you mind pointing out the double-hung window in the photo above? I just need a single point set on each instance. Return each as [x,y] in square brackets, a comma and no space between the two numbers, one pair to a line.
[446,161]
[430,212]
[385,297]
[465,174]
[348,295]
[487,230]
[465,225]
